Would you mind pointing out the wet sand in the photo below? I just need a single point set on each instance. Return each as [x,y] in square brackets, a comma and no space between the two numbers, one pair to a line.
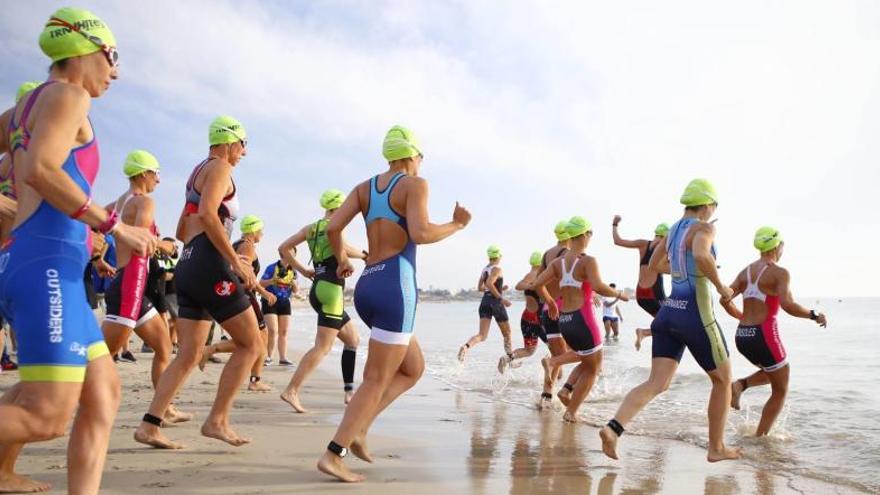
[434,440]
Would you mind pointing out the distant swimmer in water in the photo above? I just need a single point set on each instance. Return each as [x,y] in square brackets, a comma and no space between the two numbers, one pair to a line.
[394,204]
[530,322]
[764,286]
[578,276]
[611,316]
[649,292]
[686,320]
[493,305]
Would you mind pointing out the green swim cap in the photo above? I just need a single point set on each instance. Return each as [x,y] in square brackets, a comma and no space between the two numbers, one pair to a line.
[561,231]
[493,252]
[138,162]
[578,226]
[251,224]
[536,258]
[24,88]
[226,130]
[58,41]
[661,229]
[332,199]
[767,239]
[400,143]
[699,192]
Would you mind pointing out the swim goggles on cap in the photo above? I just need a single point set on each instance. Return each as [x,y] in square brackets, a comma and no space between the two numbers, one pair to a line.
[231,131]
[110,52]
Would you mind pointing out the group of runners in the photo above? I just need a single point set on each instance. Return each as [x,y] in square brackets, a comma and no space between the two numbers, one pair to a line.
[51,158]
[564,286]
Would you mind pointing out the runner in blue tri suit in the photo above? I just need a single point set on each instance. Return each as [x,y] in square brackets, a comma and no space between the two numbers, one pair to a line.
[395,208]
[64,363]
[686,320]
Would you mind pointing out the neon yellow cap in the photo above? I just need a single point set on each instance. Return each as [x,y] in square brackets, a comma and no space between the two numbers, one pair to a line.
[561,231]
[699,192]
[661,229]
[24,88]
[332,199]
[138,162]
[251,224]
[226,130]
[767,239]
[578,226]
[58,41]
[400,143]
[536,258]
[493,252]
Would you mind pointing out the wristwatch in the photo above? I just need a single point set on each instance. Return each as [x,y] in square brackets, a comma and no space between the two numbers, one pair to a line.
[337,449]
[813,315]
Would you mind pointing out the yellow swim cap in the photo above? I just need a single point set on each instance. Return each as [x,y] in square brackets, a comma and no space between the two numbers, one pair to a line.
[138,162]
[561,231]
[226,130]
[24,88]
[661,229]
[536,258]
[251,224]
[767,239]
[699,192]
[332,199]
[400,143]
[578,226]
[493,252]
[74,32]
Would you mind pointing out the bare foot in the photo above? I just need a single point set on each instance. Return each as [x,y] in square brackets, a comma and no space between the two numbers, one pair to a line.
[502,364]
[564,396]
[173,415]
[332,464]
[292,398]
[570,417]
[548,378]
[348,395]
[359,448]
[259,387]
[206,356]
[641,334]
[736,390]
[15,483]
[724,454]
[154,438]
[224,433]
[462,352]
[609,442]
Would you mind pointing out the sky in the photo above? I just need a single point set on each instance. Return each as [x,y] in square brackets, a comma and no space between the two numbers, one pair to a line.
[528,112]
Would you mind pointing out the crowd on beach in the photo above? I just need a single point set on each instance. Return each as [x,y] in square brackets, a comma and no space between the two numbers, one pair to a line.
[64,255]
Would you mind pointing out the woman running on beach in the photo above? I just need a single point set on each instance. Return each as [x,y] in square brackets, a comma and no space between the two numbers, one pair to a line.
[578,276]
[394,204]
[611,317]
[686,320]
[127,305]
[530,322]
[212,283]
[326,298]
[649,291]
[246,248]
[65,366]
[492,305]
[279,278]
[764,286]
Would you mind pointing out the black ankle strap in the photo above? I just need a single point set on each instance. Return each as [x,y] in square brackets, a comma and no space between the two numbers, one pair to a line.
[568,387]
[546,395]
[337,449]
[255,379]
[153,420]
[616,427]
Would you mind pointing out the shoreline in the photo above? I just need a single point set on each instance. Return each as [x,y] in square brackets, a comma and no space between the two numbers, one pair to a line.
[435,439]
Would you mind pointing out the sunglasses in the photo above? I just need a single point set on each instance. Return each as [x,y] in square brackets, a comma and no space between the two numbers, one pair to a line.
[110,53]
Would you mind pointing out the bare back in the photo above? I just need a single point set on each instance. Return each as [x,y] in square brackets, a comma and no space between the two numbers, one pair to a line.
[549,256]
[755,310]
[385,238]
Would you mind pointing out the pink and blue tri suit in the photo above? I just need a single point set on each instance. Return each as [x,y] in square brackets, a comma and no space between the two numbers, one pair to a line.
[761,344]
[41,276]
[687,318]
[386,293]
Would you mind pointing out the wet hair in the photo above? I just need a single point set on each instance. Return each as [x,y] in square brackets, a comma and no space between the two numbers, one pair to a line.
[59,64]
[697,208]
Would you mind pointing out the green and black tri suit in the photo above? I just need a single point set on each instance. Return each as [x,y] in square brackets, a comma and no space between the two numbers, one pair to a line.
[326,295]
